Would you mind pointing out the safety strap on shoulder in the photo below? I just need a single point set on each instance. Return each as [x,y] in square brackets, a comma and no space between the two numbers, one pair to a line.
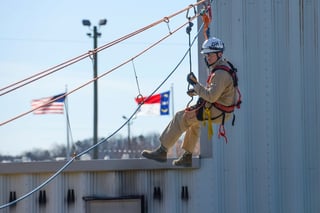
[231,70]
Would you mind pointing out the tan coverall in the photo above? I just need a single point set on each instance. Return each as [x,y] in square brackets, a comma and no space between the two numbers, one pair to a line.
[219,89]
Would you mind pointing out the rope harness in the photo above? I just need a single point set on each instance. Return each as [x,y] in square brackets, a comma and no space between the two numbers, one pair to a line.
[203,108]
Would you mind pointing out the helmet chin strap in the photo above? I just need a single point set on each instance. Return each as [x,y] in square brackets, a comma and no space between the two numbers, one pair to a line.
[218,58]
[206,61]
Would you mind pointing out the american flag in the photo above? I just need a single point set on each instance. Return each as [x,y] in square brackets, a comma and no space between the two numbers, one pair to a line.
[47,106]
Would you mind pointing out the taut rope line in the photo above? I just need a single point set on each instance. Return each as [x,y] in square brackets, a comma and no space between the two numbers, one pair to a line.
[56,68]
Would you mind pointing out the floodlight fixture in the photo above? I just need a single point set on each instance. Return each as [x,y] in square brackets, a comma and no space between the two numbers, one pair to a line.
[103,22]
[86,22]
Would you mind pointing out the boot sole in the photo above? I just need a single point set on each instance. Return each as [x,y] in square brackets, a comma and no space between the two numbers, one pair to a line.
[183,165]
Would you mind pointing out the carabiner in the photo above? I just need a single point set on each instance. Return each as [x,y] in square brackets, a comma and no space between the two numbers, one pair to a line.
[194,10]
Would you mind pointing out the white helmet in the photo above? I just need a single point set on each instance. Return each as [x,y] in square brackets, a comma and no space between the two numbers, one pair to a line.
[212,45]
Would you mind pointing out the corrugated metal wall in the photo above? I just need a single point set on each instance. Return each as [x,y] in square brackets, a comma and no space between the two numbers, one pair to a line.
[104,184]
[272,162]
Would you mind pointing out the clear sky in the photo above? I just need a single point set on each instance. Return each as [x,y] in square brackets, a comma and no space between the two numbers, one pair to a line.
[38,34]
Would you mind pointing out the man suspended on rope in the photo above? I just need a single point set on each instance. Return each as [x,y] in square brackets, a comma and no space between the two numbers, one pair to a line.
[216,103]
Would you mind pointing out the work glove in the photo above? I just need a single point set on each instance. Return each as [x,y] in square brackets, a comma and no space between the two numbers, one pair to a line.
[192,92]
[192,79]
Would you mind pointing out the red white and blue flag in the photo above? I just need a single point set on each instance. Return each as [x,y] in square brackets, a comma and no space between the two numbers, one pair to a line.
[49,105]
[157,104]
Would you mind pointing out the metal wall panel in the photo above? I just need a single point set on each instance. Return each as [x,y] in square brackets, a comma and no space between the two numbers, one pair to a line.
[107,182]
[272,162]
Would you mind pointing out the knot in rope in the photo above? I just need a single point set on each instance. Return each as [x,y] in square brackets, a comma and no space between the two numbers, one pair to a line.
[189,28]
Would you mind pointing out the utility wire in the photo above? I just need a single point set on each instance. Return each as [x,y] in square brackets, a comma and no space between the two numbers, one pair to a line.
[102,75]
[49,71]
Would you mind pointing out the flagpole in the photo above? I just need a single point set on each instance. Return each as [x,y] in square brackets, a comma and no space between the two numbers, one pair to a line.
[67,125]
[174,151]
[172,104]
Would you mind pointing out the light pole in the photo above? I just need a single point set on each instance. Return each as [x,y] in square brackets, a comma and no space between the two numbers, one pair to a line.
[95,36]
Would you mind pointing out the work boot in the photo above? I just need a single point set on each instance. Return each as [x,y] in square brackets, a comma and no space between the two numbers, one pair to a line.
[184,160]
[160,154]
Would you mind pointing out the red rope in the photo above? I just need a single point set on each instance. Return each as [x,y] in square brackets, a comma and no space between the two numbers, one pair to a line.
[222,132]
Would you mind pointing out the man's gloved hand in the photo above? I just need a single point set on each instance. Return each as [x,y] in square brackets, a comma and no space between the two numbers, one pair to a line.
[191,92]
[192,79]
